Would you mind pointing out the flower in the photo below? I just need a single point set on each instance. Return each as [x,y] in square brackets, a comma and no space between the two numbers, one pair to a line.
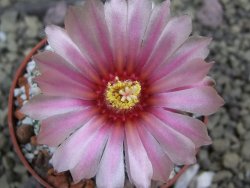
[121,85]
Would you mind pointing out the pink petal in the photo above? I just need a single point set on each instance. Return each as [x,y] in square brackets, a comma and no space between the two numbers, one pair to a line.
[56,129]
[70,153]
[174,34]
[111,171]
[51,64]
[62,44]
[138,15]
[138,164]
[190,127]
[158,20]
[87,28]
[41,106]
[187,74]
[88,165]
[202,100]
[206,81]
[193,48]
[162,165]
[116,18]
[61,86]
[179,148]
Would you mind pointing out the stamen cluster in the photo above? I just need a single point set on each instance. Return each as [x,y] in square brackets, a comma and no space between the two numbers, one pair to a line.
[123,95]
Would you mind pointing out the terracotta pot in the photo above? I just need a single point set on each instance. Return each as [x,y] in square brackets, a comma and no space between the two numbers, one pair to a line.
[12,122]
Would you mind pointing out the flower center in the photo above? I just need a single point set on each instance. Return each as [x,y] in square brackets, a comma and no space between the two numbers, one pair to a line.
[123,95]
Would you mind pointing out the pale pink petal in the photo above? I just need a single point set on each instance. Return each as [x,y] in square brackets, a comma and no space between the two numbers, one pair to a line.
[193,48]
[138,164]
[61,86]
[116,17]
[187,74]
[56,129]
[89,162]
[111,171]
[206,81]
[190,127]
[179,148]
[174,34]
[87,28]
[62,44]
[138,15]
[162,165]
[52,64]
[41,106]
[202,100]
[69,154]
[158,20]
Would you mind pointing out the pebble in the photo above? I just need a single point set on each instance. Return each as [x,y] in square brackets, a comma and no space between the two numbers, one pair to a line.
[2,36]
[240,129]
[231,160]
[29,156]
[204,179]
[30,67]
[221,145]
[8,21]
[211,13]
[245,151]
[33,26]
[27,121]
[222,175]
[24,133]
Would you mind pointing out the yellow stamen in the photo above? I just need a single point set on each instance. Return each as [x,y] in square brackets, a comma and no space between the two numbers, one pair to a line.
[123,95]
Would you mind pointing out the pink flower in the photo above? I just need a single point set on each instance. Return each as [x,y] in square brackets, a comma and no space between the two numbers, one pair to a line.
[117,88]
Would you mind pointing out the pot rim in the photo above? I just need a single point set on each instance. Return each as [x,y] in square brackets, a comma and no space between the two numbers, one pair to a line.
[11,122]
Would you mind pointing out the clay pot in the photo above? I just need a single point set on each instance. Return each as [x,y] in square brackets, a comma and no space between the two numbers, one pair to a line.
[12,114]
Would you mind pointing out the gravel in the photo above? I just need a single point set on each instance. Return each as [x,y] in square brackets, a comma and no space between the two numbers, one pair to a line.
[231,160]
[229,155]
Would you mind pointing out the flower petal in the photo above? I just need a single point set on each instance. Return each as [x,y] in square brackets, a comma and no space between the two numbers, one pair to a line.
[62,44]
[190,127]
[56,129]
[158,20]
[69,154]
[116,17]
[111,171]
[41,107]
[59,85]
[179,148]
[138,15]
[202,100]
[138,164]
[174,34]
[87,28]
[162,165]
[51,64]
[88,165]
[187,74]
[193,48]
